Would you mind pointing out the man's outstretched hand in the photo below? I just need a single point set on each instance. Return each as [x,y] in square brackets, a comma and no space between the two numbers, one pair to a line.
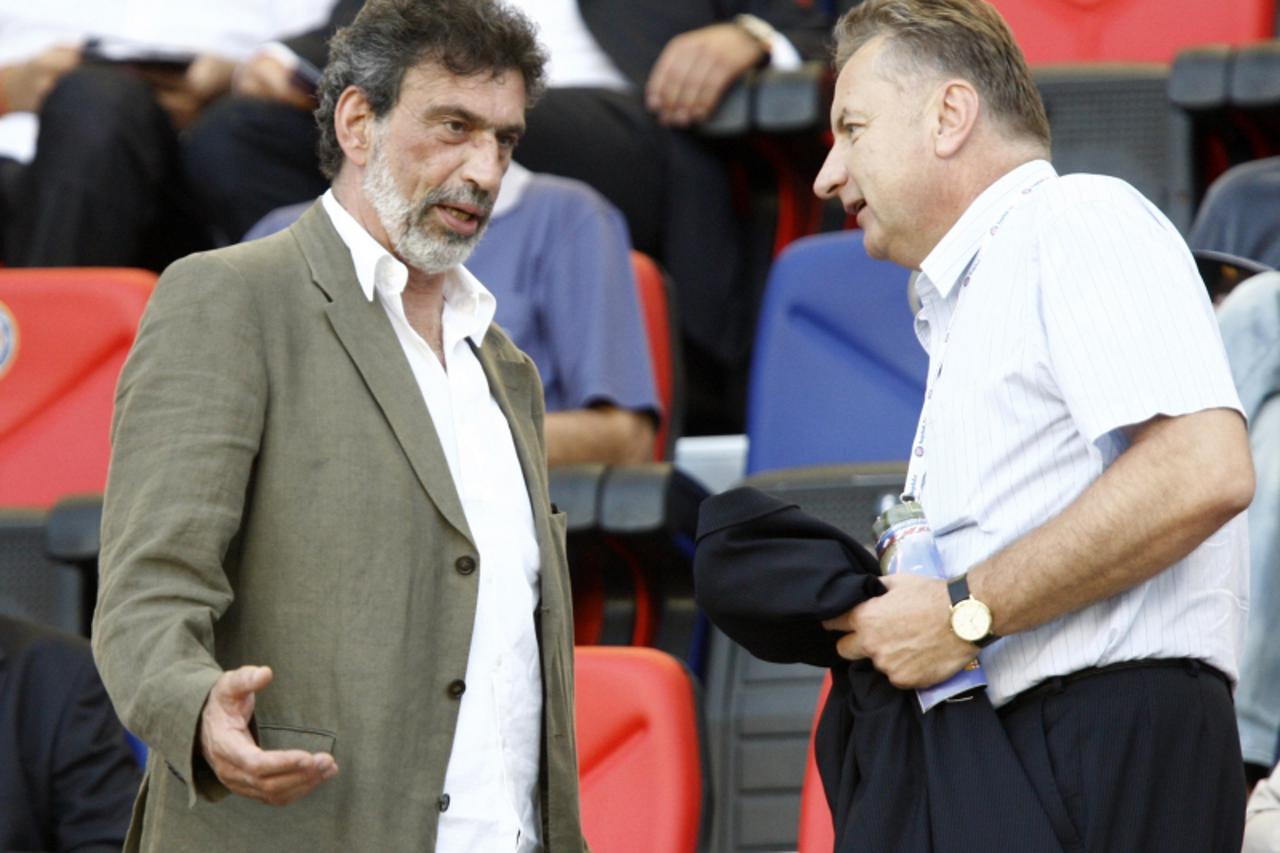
[276,777]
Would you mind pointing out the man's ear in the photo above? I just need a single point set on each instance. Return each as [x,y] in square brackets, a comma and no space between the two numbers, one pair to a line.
[957,113]
[353,120]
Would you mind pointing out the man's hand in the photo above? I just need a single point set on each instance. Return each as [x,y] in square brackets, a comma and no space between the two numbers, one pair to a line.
[183,94]
[695,69]
[275,777]
[906,632]
[25,85]
[267,78]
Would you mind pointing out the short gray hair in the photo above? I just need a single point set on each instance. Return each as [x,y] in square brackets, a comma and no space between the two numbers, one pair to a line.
[965,38]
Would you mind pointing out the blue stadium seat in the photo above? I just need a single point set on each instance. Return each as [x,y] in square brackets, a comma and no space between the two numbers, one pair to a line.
[838,375]
[834,396]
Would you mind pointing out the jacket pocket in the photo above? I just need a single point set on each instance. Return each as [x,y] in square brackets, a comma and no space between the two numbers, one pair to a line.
[272,736]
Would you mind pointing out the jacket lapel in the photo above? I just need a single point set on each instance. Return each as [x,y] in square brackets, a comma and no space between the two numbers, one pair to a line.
[365,332]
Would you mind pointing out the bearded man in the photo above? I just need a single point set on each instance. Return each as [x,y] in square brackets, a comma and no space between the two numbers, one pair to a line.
[334,599]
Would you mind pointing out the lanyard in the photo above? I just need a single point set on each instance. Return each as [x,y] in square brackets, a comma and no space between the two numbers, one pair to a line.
[916,465]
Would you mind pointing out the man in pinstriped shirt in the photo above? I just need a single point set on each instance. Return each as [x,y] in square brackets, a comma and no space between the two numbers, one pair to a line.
[1081,455]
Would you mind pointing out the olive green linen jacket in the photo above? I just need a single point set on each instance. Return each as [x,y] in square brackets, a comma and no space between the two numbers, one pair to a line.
[278,496]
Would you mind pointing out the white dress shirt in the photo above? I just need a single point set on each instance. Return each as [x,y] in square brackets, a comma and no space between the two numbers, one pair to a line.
[1084,314]
[492,777]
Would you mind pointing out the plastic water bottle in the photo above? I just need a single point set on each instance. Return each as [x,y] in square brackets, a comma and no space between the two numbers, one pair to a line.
[905,543]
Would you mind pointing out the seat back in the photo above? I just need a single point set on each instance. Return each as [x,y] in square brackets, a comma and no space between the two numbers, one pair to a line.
[657,304]
[1117,120]
[64,335]
[32,586]
[639,751]
[760,714]
[1130,30]
[838,375]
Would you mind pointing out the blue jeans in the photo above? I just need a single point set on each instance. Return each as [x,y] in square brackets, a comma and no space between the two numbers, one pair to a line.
[1250,322]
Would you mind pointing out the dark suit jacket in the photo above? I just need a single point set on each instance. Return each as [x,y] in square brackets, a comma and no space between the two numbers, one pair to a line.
[67,777]
[633,32]
[897,780]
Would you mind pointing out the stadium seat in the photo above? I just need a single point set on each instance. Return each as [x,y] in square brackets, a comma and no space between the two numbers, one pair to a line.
[760,714]
[639,751]
[1052,31]
[657,303]
[837,374]
[33,586]
[1116,119]
[630,550]
[817,835]
[64,334]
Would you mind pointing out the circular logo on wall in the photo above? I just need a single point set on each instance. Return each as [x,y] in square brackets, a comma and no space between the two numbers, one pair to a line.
[8,339]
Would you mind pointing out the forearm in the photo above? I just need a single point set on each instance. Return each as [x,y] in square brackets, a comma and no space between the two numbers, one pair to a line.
[1181,480]
[605,434]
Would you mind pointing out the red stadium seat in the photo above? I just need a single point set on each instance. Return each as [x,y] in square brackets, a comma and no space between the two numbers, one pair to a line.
[1055,31]
[817,835]
[64,334]
[639,751]
[656,305]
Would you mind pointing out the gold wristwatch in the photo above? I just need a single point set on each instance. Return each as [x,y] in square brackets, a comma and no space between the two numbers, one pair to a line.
[970,618]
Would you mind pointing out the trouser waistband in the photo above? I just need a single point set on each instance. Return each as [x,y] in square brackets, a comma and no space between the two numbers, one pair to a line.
[1058,683]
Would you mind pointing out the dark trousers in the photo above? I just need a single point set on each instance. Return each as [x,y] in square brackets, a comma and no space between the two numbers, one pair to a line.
[105,185]
[1134,760]
[245,157]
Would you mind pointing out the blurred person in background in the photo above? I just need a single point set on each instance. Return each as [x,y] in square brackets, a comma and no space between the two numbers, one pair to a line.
[93,100]
[67,776]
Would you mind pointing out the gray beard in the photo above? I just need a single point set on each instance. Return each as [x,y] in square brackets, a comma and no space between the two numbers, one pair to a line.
[413,236]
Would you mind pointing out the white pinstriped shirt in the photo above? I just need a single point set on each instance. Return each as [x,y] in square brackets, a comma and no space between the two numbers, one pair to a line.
[1086,314]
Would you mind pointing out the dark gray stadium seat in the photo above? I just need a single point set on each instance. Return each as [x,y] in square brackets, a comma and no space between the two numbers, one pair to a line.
[1116,119]
[759,714]
[32,586]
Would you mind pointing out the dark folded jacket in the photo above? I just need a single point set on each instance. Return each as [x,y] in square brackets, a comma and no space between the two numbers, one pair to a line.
[897,780]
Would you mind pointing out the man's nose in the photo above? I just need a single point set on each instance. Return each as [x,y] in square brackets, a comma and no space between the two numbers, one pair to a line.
[486,163]
[831,176]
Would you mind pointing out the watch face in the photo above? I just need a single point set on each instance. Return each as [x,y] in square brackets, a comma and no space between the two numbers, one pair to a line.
[971,620]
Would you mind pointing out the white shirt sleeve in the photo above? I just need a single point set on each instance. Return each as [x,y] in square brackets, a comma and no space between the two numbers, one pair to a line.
[1130,329]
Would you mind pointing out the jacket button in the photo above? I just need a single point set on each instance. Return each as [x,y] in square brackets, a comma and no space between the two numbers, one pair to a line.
[443,802]
[465,565]
[457,688]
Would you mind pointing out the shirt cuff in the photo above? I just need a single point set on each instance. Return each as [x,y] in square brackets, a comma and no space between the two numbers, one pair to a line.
[783,54]
[280,52]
